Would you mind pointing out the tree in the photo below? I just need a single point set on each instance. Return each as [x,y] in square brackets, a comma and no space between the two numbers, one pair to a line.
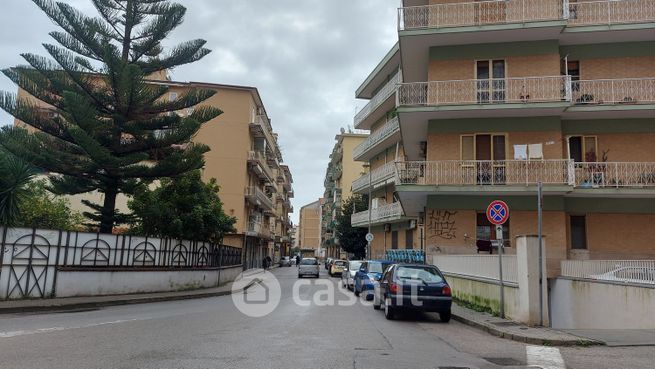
[352,239]
[182,207]
[108,127]
[15,176]
[40,209]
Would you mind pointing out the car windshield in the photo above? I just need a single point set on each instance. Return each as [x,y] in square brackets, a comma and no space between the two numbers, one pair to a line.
[308,262]
[354,265]
[419,273]
[340,263]
[377,267]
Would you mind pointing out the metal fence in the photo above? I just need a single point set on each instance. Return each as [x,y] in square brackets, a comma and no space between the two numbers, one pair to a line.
[625,271]
[31,258]
[478,266]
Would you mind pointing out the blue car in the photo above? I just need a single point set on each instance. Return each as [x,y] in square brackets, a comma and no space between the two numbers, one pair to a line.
[366,276]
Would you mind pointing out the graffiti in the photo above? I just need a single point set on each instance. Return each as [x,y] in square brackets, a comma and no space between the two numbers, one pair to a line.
[441,224]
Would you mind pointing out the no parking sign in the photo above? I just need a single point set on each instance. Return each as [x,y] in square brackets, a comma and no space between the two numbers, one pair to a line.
[498,212]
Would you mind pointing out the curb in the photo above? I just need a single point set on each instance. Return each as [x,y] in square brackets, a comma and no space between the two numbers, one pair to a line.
[488,328]
[119,302]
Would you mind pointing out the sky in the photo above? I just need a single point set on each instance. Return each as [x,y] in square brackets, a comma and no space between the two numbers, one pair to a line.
[306,57]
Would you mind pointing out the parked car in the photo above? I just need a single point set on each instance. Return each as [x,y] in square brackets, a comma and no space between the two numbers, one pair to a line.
[348,274]
[308,266]
[336,268]
[628,274]
[415,287]
[365,276]
[328,261]
[285,261]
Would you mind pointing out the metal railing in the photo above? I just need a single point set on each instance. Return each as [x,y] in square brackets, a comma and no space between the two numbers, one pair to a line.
[261,197]
[487,172]
[614,174]
[379,214]
[257,229]
[387,172]
[381,96]
[479,13]
[478,266]
[485,91]
[260,158]
[611,12]
[388,129]
[625,271]
[614,91]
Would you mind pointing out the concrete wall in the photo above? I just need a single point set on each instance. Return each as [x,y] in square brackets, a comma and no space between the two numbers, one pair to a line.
[98,283]
[577,304]
[485,294]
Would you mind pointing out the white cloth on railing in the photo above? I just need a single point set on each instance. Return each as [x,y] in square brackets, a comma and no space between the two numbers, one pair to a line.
[520,152]
[536,151]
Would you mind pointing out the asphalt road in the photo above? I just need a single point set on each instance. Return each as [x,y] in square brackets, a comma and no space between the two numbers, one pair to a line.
[306,330]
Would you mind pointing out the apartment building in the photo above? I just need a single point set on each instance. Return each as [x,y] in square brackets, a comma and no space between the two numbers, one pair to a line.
[309,229]
[493,97]
[245,158]
[341,172]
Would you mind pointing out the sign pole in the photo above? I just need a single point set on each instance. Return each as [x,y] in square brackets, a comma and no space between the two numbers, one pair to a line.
[499,240]
[541,251]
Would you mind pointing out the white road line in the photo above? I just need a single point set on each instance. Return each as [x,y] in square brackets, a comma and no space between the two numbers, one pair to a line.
[55,329]
[545,357]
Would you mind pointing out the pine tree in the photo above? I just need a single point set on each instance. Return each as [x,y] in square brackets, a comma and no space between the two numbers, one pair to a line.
[112,126]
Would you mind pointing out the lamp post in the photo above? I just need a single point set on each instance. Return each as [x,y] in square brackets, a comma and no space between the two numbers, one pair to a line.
[370,211]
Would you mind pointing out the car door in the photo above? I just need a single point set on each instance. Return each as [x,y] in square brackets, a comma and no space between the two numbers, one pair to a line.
[383,286]
[358,276]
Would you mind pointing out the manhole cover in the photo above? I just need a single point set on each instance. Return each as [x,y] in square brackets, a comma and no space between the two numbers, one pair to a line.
[506,324]
[504,361]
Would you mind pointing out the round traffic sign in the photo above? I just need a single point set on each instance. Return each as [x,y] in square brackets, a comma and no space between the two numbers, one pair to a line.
[369,237]
[498,212]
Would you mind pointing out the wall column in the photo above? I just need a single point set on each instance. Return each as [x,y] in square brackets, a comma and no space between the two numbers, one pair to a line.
[527,257]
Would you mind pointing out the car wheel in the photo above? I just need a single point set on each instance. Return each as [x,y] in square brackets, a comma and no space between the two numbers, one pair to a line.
[299,275]
[445,316]
[389,312]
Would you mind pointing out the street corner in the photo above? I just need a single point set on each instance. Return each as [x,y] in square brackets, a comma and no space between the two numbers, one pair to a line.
[256,295]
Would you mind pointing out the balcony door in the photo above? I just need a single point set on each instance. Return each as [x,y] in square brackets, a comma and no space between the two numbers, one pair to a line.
[491,85]
[489,153]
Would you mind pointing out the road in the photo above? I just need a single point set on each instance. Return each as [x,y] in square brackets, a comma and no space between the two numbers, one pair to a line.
[213,333]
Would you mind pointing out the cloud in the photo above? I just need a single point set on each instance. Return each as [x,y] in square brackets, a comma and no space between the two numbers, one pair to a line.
[306,57]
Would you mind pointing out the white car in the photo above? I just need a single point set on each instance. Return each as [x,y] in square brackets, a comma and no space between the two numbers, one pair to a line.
[308,266]
[348,274]
[628,274]
[285,261]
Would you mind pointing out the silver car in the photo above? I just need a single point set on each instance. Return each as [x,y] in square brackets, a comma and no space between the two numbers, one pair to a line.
[308,266]
[348,275]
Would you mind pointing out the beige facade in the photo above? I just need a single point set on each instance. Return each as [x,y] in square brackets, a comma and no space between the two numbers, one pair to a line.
[309,229]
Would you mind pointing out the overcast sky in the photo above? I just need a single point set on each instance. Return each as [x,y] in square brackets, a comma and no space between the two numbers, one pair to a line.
[306,57]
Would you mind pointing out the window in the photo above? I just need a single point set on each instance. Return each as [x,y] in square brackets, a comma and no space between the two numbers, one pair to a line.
[468,148]
[425,274]
[394,240]
[578,232]
[489,150]
[573,68]
[491,80]
[583,148]
[409,239]
[487,232]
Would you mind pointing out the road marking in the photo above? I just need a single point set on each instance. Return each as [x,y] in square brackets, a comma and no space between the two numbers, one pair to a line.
[545,357]
[56,329]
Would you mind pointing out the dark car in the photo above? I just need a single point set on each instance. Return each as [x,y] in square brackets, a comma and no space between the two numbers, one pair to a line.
[365,278]
[328,263]
[416,287]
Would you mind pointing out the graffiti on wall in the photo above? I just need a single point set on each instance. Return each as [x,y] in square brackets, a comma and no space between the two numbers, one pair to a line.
[441,224]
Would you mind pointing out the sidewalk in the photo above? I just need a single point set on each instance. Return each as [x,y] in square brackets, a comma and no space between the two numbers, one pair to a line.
[77,303]
[518,332]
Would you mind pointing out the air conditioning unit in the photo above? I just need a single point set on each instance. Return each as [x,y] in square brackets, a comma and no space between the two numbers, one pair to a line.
[412,224]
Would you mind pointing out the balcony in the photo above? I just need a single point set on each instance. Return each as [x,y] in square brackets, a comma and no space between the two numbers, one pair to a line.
[524,173]
[629,91]
[260,165]
[486,91]
[259,197]
[381,176]
[611,12]
[378,140]
[479,13]
[261,128]
[383,214]
[370,113]
[257,229]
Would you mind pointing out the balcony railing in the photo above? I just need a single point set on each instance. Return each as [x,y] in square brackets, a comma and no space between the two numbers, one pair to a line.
[390,128]
[611,12]
[254,193]
[486,172]
[381,214]
[485,91]
[256,229]
[260,158]
[386,92]
[479,13]
[614,174]
[528,172]
[381,174]
[614,91]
